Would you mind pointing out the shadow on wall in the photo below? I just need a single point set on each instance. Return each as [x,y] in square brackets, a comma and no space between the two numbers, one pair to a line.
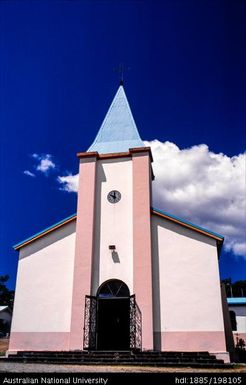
[115,257]
[101,177]
[227,325]
[156,289]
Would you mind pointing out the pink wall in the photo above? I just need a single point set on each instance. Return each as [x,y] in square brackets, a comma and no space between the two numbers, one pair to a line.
[142,266]
[43,299]
[83,248]
[39,341]
[113,223]
[193,341]
[187,283]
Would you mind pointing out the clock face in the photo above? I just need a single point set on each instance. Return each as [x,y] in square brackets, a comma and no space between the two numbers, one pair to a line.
[114,196]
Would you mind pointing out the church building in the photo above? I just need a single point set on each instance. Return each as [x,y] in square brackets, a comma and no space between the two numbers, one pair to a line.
[119,274]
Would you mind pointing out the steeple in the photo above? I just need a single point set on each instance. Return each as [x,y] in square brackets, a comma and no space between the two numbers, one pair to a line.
[118,131]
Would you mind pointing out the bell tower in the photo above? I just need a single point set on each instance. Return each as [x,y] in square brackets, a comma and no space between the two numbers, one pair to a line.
[113,231]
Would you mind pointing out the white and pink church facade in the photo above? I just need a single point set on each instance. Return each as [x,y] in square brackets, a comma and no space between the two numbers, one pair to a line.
[119,274]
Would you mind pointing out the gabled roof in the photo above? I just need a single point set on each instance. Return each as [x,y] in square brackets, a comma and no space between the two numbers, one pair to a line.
[3,308]
[187,224]
[45,231]
[118,131]
[219,238]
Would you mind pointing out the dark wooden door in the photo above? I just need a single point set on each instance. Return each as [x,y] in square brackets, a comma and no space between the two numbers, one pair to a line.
[113,324]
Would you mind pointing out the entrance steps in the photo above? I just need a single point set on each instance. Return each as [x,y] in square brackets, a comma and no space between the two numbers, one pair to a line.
[136,358]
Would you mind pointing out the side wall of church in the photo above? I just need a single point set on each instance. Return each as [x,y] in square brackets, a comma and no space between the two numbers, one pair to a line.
[43,300]
[186,285]
[113,224]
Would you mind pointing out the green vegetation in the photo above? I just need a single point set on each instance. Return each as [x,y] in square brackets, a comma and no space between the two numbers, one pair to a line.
[235,289]
[6,295]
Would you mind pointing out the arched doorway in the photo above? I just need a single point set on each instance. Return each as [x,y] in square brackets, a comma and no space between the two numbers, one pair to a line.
[113,316]
[112,319]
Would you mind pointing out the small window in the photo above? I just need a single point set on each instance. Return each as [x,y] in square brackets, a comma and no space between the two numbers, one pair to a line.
[113,288]
[233,320]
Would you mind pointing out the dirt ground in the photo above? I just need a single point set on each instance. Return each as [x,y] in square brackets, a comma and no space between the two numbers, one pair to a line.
[12,367]
[4,343]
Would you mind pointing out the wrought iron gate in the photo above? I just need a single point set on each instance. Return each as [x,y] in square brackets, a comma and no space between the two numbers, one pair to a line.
[135,325]
[90,322]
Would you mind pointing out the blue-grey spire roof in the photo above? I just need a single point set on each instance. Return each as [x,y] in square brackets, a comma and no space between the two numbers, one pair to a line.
[118,131]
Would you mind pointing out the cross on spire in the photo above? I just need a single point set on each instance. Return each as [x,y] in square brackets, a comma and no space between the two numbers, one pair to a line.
[121,69]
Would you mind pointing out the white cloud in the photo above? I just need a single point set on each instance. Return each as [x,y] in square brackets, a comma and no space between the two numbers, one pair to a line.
[29,173]
[45,162]
[198,185]
[69,183]
[206,188]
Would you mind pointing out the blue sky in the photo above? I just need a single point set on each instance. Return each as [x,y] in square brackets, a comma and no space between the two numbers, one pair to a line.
[185,85]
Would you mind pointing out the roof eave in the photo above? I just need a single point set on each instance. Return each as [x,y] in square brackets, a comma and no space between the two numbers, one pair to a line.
[132,151]
[219,238]
[45,232]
